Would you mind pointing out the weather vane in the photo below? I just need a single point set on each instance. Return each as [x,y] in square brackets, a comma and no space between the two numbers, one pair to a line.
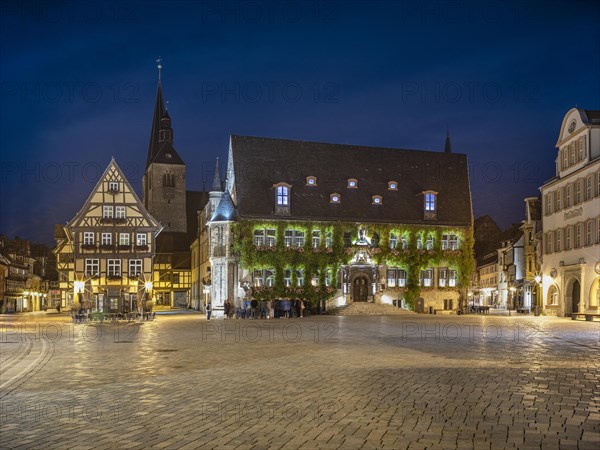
[159,65]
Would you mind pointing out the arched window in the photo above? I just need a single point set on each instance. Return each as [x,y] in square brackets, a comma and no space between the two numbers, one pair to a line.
[335,198]
[311,181]
[168,179]
[352,183]
[377,200]
[552,296]
[392,185]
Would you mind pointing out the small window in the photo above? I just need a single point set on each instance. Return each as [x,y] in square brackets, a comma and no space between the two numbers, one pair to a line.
[107,212]
[88,238]
[287,278]
[429,242]
[392,185]
[288,238]
[141,239]
[316,238]
[113,186]
[377,199]
[120,212]
[328,239]
[430,203]
[124,239]
[135,267]
[283,193]
[92,267]
[426,278]
[311,181]
[393,240]
[335,198]
[106,239]
[114,268]
[270,239]
[352,183]
[259,237]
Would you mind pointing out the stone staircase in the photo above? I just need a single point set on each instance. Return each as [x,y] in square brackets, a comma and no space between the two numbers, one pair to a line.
[367,309]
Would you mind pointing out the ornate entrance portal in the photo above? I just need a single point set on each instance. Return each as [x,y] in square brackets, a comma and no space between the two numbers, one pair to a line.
[360,289]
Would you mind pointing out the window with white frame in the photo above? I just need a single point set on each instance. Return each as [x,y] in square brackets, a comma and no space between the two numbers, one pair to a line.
[269,275]
[300,277]
[92,267]
[419,241]
[282,196]
[429,242]
[426,278]
[107,212]
[113,186]
[270,237]
[135,268]
[88,238]
[352,183]
[141,239]
[124,239]
[393,240]
[335,198]
[452,278]
[316,238]
[298,238]
[328,239]
[588,187]
[392,276]
[288,238]
[401,277]
[328,277]
[259,237]
[258,278]
[114,267]
[106,238]
[453,242]
[442,277]
[119,212]
[404,242]
[287,278]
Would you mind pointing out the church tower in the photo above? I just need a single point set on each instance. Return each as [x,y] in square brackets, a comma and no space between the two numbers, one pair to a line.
[163,183]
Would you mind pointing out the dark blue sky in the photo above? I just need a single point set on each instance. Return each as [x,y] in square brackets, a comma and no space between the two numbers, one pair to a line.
[79,83]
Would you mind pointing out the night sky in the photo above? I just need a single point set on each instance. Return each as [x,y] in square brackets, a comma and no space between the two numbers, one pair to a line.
[78,84]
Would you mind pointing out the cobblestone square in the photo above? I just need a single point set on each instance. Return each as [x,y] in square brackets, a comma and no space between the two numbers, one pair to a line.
[397,382]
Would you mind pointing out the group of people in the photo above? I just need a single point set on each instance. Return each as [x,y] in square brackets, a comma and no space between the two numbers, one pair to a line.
[264,309]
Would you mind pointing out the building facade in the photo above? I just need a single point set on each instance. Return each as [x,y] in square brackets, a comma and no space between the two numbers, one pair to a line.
[105,253]
[571,219]
[337,223]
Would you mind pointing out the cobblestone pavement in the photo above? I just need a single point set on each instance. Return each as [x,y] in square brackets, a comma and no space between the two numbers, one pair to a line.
[398,382]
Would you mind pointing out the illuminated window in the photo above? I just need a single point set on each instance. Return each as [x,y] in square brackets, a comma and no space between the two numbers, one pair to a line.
[328,239]
[393,185]
[311,181]
[92,267]
[404,242]
[377,199]
[426,278]
[429,243]
[270,239]
[282,196]
[135,267]
[316,238]
[88,238]
[335,198]
[114,267]
[393,240]
[352,183]
[259,237]
[430,201]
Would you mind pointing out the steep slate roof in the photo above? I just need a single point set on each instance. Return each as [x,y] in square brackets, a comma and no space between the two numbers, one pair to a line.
[157,148]
[225,210]
[593,116]
[262,162]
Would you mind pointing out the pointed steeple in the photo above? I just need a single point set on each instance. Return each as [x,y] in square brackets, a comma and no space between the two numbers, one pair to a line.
[217,186]
[159,112]
[448,146]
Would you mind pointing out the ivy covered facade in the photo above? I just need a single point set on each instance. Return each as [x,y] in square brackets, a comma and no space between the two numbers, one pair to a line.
[363,229]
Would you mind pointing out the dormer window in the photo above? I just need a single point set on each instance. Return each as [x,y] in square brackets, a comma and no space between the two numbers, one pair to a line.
[377,200]
[311,181]
[335,198]
[113,186]
[352,183]
[282,198]
[392,185]
[430,204]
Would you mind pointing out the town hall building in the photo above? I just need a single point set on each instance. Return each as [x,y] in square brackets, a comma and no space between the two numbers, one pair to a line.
[337,224]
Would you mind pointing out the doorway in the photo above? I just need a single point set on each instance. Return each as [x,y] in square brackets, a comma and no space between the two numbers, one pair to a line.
[575,296]
[360,290]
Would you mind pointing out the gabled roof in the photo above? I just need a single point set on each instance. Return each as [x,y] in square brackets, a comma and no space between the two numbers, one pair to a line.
[166,154]
[113,170]
[225,211]
[259,163]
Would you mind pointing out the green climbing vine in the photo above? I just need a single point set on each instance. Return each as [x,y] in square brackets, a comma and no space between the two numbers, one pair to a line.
[336,249]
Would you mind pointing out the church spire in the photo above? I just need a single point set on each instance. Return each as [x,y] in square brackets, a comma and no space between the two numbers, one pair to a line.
[159,112]
[217,186]
[448,146]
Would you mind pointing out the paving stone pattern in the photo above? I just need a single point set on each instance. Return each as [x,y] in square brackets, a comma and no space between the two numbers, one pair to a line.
[393,382]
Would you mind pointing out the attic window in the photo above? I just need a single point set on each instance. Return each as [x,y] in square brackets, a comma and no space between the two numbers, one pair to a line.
[392,185]
[352,183]
[282,198]
[113,186]
[311,181]
[430,204]
[168,155]
[377,200]
[335,198]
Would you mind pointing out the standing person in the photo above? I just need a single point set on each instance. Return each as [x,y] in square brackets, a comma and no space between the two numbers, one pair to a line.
[208,310]
[254,306]
[237,305]
[301,308]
